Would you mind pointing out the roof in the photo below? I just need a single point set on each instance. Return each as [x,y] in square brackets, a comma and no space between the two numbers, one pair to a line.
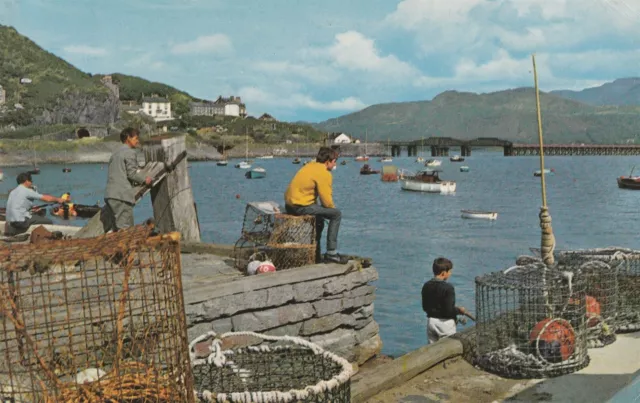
[155,99]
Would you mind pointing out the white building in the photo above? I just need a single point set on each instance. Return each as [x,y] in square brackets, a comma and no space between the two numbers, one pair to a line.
[158,108]
[342,139]
[231,106]
[25,81]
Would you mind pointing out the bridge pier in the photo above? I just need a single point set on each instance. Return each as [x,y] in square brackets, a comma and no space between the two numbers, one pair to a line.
[412,151]
[439,151]
[396,151]
[465,151]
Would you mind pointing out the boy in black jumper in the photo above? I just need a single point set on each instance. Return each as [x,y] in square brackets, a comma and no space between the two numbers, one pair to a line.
[439,302]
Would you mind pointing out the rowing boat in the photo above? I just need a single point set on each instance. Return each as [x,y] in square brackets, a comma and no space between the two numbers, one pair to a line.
[485,215]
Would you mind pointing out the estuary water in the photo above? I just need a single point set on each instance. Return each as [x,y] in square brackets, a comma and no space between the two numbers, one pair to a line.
[403,232]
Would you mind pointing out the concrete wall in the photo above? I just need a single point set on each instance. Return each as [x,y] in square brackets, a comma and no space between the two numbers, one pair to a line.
[331,305]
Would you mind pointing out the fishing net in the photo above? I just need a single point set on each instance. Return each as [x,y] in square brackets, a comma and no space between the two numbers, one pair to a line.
[271,369]
[627,315]
[285,240]
[98,319]
[531,322]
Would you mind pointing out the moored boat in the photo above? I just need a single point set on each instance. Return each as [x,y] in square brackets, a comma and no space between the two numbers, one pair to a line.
[1,176]
[222,163]
[464,168]
[386,159]
[266,157]
[296,161]
[546,172]
[485,215]
[367,170]
[419,160]
[433,163]
[243,165]
[389,173]
[629,182]
[427,181]
[362,158]
[456,158]
[343,162]
[256,173]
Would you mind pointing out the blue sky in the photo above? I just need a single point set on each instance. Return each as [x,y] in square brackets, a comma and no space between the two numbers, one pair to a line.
[313,60]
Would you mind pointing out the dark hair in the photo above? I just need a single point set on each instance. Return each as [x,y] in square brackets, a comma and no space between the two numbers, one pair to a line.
[23,177]
[326,154]
[128,132]
[441,265]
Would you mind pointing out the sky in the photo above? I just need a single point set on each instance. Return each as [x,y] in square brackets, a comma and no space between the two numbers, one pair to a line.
[313,60]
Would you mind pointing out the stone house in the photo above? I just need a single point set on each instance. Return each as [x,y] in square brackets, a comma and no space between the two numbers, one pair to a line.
[231,106]
[340,138]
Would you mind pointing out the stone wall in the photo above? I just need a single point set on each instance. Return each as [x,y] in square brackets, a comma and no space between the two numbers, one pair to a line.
[331,305]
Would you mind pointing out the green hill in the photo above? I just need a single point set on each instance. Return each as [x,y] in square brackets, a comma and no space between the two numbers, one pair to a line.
[58,92]
[509,115]
[623,91]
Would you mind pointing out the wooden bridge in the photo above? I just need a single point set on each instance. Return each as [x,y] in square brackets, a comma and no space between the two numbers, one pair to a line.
[440,147]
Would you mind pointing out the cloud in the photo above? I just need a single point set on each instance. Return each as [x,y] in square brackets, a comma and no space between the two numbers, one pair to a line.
[85,50]
[147,61]
[217,43]
[315,73]
[271,100]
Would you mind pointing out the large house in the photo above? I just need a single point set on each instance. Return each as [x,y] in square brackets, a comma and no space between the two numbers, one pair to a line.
[3,96]
[157,107]
[231,106]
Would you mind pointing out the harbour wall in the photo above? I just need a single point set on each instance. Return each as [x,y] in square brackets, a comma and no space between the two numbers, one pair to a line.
[331,305]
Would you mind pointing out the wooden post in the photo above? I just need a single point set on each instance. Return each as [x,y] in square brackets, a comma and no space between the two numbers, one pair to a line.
[172,199]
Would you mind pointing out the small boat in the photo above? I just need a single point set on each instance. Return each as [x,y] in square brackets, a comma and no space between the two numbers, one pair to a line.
[36,211]
[256,173]
[243,165]
[296,161]
[485,215]
[419,160]
[222,163]
[390,173]
[546,171]
[266,157]
[386,159]
[362,158]
[343,162]
[464,168]
[66,170]
[75,210]
[427,181]
[433,163]
[366,170]
[629,182]
[456,158]
[34,171]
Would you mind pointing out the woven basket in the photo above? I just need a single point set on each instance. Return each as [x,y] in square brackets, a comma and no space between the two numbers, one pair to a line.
[277,369]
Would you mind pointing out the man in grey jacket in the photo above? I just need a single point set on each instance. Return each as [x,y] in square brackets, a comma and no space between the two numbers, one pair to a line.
[123,176]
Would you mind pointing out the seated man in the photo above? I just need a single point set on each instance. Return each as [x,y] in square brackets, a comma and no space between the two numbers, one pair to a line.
[315,180]
[20,203]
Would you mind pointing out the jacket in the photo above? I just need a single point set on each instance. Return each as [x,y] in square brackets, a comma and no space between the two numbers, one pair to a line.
[123,175]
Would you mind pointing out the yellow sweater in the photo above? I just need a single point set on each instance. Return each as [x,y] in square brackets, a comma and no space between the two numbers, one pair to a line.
[312,181]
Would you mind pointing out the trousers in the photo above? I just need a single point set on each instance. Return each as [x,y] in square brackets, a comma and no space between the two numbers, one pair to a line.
[440,328]
[333,215]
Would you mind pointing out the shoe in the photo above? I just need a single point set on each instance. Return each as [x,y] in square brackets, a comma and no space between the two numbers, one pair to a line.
[335,258]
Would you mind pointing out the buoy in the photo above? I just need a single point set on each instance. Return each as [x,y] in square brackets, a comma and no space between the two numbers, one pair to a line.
[266,267]
[553,340]
[593,311]
[237,196]
[252,267]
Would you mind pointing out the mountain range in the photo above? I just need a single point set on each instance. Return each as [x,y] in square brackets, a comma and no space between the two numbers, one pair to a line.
[59,93]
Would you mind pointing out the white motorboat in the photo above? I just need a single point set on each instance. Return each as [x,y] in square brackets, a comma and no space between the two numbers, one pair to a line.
[266,157]
[427,181]
[222,163]
[386,159]
[484,215]
[419,159]
[433,163]
[243,165]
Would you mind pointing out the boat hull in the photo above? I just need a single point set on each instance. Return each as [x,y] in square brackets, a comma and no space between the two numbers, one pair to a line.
[464,168]
[243,165]
[222,163]
[444,187]
[483,215]
[433,163]
[628,183]
[255,175]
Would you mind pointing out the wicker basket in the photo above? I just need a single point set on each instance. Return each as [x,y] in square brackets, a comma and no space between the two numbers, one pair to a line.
[276,369]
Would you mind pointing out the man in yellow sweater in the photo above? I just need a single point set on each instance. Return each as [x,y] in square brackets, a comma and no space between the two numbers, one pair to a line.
[313,181]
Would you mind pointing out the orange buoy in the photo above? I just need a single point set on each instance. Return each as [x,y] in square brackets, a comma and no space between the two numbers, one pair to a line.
[553,340]
[593,311]
[237,196]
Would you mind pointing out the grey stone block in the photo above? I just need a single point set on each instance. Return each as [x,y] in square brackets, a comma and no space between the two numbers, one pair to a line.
[223,325]
[360,323]
[339,339]
[326,307]
[326,323]
[198,330]
[309,290]
[367,349]
[277,296]
[271,318]
[364,312]
[344,283]
[288,330]
[367,332]
[230,304]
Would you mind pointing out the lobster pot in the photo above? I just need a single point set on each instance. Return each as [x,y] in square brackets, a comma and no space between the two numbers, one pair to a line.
[531,322]
[99,319]
[389,173]
[287,241]
[274,369]
[627,317]
[601,295]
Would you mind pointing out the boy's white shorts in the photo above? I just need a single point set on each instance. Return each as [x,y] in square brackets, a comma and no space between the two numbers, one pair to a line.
[439,328]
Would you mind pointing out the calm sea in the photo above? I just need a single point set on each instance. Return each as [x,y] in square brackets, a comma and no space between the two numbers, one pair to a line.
[404,231]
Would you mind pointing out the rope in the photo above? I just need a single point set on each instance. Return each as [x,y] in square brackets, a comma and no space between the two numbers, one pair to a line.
[548,243]
[219,359]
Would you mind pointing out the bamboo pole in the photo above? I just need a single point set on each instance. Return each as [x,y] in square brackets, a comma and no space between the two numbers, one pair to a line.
[548,242]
